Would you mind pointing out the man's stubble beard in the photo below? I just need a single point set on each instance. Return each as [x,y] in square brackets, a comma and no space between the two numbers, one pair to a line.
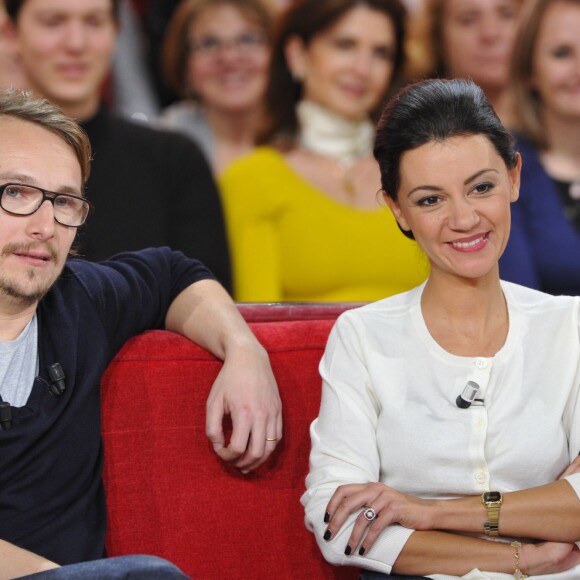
[15,292]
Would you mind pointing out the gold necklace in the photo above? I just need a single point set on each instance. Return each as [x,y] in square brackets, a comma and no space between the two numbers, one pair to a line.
[343,173]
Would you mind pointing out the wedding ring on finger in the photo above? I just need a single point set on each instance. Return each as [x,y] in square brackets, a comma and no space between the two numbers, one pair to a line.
[369,514]
[271,438]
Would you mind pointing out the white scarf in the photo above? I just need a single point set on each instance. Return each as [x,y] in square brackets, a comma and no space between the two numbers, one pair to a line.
[326,133]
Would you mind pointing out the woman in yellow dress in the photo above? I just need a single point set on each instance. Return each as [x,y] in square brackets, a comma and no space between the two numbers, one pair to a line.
[304,218]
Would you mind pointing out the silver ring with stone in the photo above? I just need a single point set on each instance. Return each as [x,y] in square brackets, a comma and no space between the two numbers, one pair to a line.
[369,514]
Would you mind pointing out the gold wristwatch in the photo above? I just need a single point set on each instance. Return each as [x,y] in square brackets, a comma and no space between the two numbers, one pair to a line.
[492,500]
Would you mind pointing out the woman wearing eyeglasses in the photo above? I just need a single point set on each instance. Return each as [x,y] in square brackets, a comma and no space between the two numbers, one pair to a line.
[216,56]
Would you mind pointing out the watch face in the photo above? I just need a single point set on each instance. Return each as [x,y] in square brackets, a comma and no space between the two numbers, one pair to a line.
[492,496]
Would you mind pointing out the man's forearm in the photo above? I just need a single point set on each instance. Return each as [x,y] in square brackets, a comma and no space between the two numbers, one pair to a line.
[205,313]
[17,562]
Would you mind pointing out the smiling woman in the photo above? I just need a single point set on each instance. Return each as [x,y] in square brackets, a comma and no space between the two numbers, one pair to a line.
[216,57]
[454,197]
[303,213]
[404,478]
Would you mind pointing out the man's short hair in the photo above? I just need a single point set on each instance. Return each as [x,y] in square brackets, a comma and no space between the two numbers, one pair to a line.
[13,8]
[22,105]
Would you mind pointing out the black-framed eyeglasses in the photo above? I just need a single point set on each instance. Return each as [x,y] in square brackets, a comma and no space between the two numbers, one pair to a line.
[211,46]
[19,199]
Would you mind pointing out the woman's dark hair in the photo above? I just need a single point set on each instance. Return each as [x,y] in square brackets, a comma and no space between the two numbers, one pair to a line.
[305,19]
[433,111]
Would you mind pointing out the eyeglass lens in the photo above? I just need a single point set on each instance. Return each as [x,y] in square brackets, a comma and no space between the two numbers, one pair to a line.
[26,199]
[244,43]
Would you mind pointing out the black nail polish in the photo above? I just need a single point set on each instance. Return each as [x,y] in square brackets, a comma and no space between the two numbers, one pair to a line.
[327,535]
[348,550]
[326,517]
[361,551]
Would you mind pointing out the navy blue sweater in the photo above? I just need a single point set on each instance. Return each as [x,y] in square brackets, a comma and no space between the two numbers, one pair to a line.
[51,492]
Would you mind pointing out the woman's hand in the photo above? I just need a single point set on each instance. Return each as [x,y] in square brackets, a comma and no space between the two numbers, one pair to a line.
[574,467]
[389,505]
[548,558]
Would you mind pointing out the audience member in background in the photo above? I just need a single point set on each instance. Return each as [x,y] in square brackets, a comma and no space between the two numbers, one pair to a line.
[304,217]
[469,39]
[410,472]
[151,188]
[544,248]
[216,57]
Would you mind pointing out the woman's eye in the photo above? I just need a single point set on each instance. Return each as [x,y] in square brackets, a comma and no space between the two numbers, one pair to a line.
[343,43]
[561,52]
[468,19]
[482,187]
[508,13]
[429,201]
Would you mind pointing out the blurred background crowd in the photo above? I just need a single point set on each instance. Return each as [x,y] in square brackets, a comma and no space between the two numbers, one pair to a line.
[241,131]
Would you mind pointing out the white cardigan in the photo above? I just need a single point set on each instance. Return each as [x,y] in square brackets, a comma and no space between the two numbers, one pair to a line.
[389,413]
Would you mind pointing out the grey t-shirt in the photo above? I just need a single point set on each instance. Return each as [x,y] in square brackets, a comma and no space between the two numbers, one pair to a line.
[19,365]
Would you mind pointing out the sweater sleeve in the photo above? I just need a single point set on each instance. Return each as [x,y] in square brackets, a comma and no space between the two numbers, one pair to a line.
[134,290]
[344,449]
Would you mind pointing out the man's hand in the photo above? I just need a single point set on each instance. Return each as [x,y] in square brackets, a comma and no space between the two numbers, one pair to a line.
[246,390]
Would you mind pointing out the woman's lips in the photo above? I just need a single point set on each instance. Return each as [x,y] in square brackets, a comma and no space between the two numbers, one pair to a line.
[470,244]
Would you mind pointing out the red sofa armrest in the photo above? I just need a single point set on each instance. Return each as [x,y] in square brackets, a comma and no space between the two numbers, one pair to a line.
[167,492]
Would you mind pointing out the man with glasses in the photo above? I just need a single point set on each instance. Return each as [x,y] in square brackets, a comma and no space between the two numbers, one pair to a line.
[61,322]
[152,187]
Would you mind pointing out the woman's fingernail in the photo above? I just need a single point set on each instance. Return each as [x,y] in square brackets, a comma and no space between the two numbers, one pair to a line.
[326,517]
[361,551]
[348,550]
[327,535]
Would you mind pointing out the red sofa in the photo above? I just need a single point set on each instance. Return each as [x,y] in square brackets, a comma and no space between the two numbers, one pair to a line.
[167,492]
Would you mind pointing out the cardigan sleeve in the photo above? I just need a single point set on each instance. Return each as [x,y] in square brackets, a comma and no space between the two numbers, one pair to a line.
[344,449]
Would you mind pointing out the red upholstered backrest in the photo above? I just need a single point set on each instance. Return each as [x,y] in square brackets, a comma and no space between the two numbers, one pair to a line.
[167,492]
